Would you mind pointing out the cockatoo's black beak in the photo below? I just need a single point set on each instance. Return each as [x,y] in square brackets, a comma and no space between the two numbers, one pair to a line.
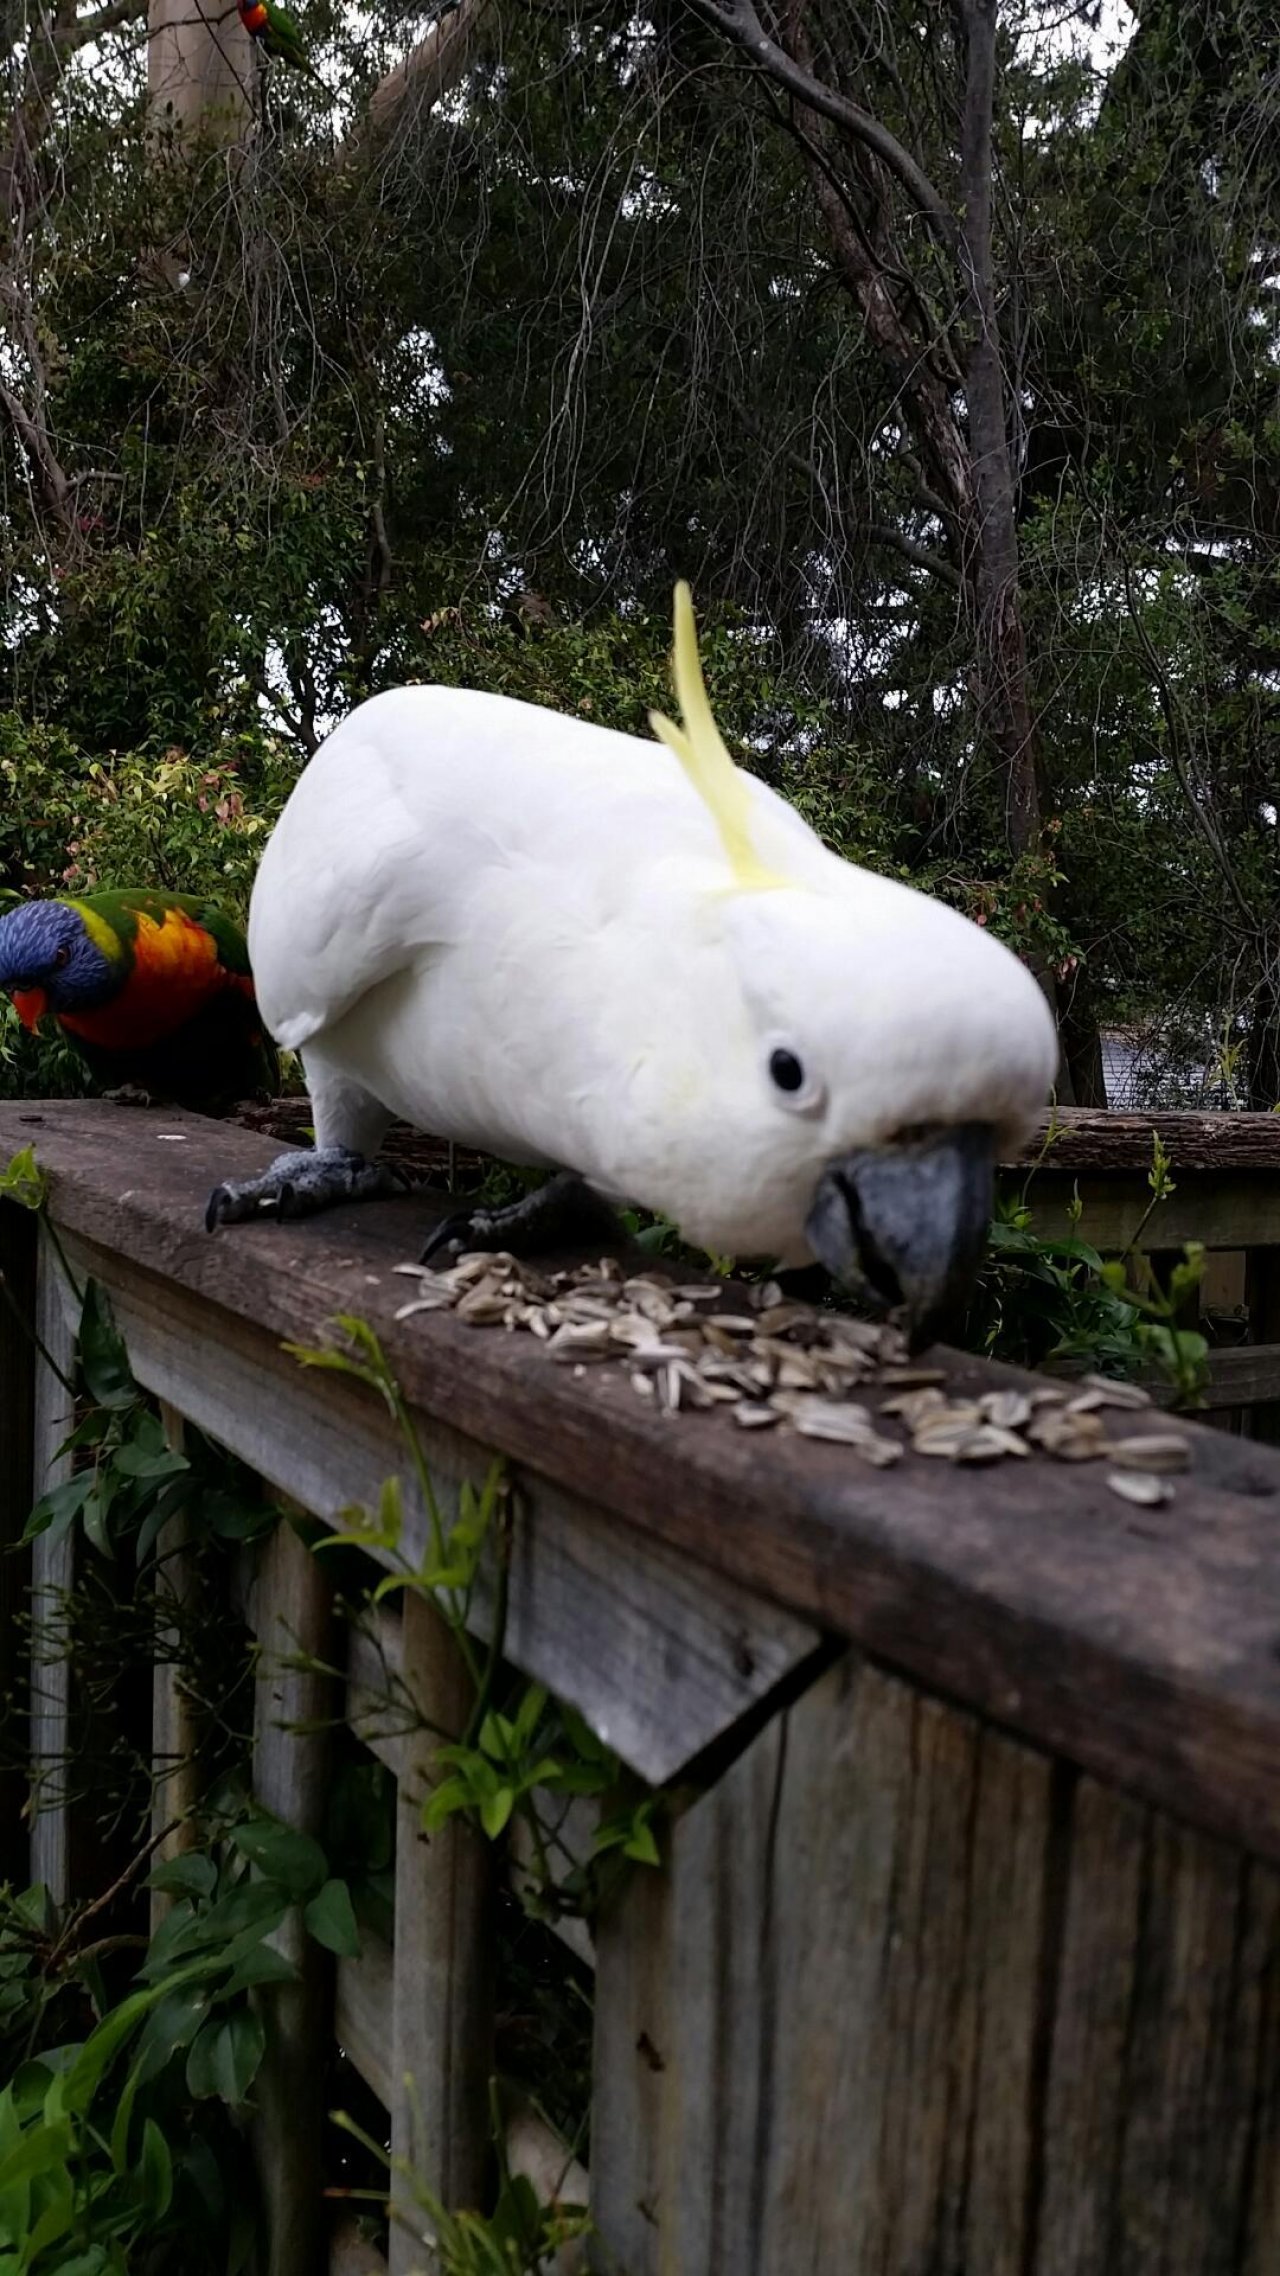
[907,1223]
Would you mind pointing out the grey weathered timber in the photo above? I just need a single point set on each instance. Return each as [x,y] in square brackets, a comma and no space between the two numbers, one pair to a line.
[1139,1645]
[52,1574]
[911,1997]
[1225,1211]
[383,1717]
[293,1619]
[442,2020]
[660,1666]
[363,2012]
[1263,1295]
[17,1407]
[174,1727]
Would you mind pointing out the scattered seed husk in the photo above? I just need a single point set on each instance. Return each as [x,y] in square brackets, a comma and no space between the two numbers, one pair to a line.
[913,1406]
[1141,1487]
[1068,1437]
[1118,1394]
[752,1416]
[783,1364]
[1157,1451]
[1008,1410]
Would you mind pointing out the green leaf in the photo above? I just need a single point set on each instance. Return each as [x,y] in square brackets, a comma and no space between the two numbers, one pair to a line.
[24,1181]
[189,1876]
[171,2025]
[225,2058]
[261,1964]
[331,1920]
[59,1508]
[139,1462]
[155,2172]
[293,1859]
[104,1362]
[97,1509]
[641,1846]
[495,1811]
[444,1802]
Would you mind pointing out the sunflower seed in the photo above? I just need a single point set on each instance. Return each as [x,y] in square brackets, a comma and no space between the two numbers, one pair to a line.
[753,1417]
[483,1307]
[914,1405]
[1156,1450]
[762,1299]
[1118,1394]
[1008,1410]
[1140,1486]
[1069,1437]
[585,1340]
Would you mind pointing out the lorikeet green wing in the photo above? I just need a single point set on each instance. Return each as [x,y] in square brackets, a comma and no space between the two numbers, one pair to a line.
[277,34]
[153,990]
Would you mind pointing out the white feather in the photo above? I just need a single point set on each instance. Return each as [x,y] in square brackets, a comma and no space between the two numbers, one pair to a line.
[518,930]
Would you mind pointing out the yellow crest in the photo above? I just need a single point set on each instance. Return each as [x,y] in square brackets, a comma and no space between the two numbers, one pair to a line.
[719,783]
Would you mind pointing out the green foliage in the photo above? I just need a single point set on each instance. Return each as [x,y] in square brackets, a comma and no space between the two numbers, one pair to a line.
[128,1481]
[130,2140]
[523,1756]
[518,2238]
[1040,1300]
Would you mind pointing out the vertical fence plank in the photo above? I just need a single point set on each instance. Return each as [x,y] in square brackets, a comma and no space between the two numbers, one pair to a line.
[174,1731]
[17,1418]
[52,1574]
[1262,1292]
[293,1616]
[442,2035]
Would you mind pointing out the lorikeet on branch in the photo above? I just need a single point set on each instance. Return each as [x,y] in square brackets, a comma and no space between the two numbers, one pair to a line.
[152,989]
[277,35]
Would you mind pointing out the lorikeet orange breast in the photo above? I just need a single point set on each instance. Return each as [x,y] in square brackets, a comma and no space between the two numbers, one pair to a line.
[152,989]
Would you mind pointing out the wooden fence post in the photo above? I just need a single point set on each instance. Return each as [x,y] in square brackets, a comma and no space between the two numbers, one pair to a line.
[442,2031]
[174,1728]
[17,1421]
[293,1615]
[1262,1294]
[52,1575]
[909,1995]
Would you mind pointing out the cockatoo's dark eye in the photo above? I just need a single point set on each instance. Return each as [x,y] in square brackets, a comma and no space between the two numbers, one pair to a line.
[62,956]
[793,1080]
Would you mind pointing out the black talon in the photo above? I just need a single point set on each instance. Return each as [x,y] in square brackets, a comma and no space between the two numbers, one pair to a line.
[563,1210]
[462,1227]
[301,1184]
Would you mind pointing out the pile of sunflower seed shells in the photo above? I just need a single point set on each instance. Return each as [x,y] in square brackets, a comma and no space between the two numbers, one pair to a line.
[780,1364]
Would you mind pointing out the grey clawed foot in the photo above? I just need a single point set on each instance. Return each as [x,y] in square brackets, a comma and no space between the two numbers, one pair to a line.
[563,1210]
[130,1094]
[301,1184]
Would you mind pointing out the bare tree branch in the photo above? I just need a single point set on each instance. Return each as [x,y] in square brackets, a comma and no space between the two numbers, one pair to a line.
[738,21]
[426,73]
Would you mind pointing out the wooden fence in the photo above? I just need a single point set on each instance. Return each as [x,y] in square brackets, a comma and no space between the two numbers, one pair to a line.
[965,1951]
[1226,1176]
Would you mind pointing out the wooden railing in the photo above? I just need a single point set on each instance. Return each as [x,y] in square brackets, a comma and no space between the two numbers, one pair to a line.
[1226,1177]
[965,1948]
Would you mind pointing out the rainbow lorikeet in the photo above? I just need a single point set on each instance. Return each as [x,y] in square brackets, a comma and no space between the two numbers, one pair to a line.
[276,34]
[153,990]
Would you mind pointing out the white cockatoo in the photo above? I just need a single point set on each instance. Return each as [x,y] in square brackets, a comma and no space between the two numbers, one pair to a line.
[637,965]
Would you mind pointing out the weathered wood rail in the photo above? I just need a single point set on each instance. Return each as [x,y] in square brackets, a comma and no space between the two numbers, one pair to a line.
[965,1952]
[1226,1172]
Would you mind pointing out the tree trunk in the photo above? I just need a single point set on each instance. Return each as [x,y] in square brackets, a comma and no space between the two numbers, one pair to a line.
[993,572]
[1264,1040]
[202,72]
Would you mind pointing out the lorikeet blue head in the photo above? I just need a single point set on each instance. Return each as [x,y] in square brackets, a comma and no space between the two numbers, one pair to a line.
[49,961]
